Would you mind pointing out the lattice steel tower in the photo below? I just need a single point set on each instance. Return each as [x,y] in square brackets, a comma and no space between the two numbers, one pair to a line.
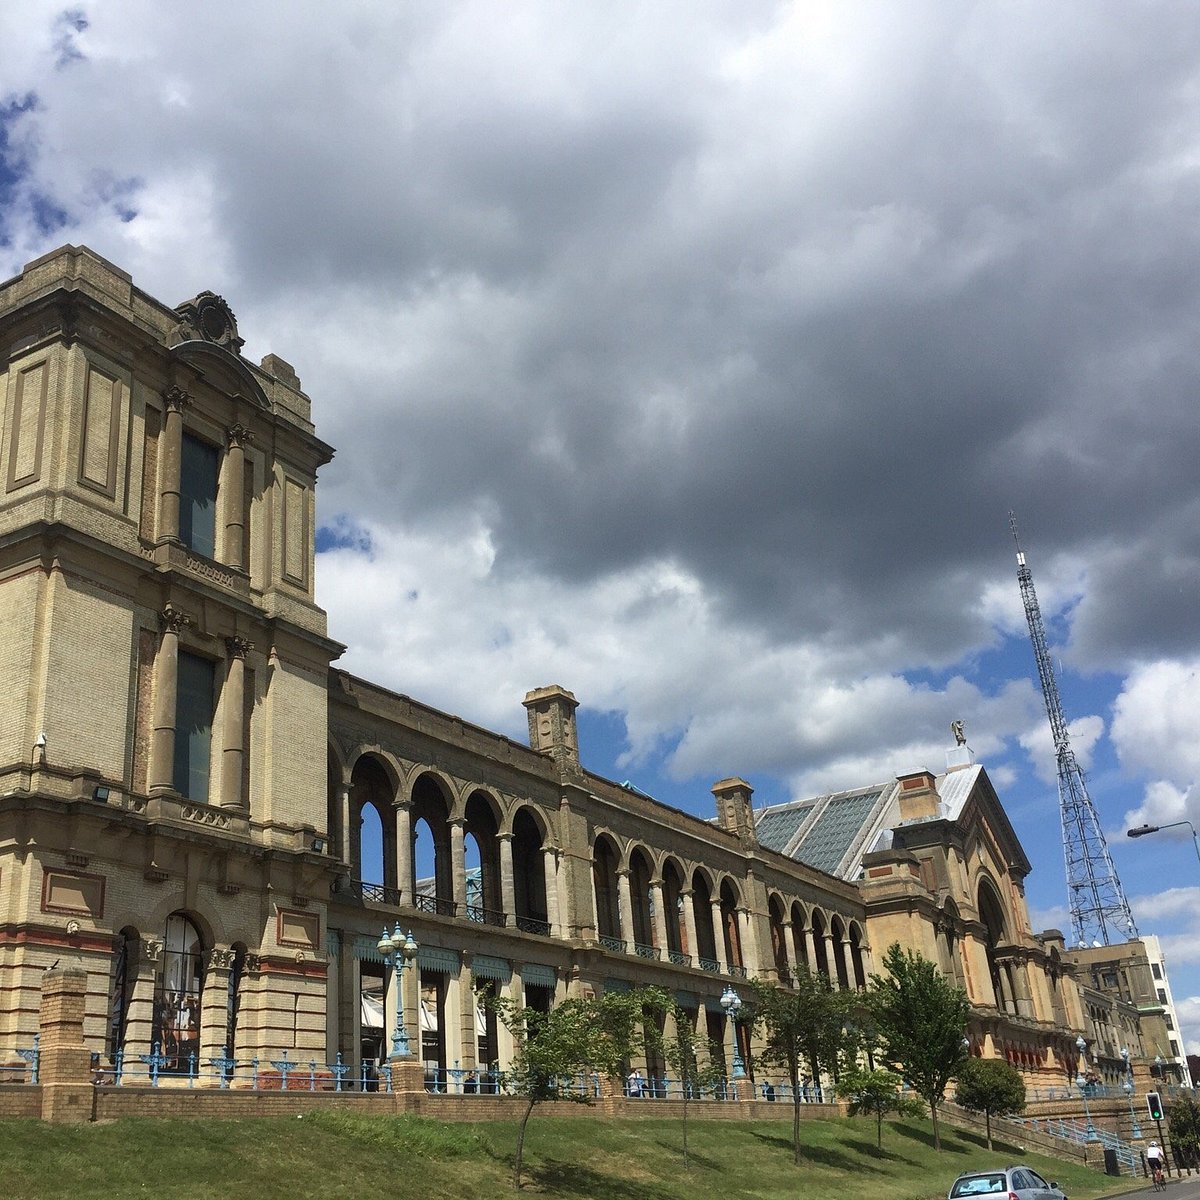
[1099,910]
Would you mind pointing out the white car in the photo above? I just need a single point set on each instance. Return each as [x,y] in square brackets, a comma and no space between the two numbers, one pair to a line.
[1008,1183]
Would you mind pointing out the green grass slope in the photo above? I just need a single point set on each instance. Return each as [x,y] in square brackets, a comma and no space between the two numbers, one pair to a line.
[336,1154]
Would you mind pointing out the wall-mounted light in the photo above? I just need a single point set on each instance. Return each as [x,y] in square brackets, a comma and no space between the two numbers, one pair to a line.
[318,845]
[100,794]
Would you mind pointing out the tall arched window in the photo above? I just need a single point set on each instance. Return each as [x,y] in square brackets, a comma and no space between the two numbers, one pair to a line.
[177,993]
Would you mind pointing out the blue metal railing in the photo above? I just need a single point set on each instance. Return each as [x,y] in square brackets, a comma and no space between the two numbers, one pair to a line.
[17,1073]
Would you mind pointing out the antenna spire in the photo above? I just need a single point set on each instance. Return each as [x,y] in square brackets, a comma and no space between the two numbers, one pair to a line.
[1099,909]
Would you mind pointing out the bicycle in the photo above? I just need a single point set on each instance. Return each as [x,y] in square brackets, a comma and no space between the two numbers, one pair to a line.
[1160,1180]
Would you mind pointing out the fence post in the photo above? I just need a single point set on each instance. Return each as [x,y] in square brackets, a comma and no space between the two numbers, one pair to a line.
[65,1063]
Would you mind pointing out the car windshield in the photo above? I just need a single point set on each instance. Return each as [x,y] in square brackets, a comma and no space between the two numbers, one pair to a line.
[980,1185]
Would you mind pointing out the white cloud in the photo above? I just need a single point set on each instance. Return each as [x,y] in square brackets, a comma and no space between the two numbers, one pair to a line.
[1038,742]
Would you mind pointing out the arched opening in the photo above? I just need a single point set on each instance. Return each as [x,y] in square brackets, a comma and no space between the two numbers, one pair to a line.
[177,994]
[729,926]
[529,874]
[481,857]
[126,947]
[991,913]
[373,816]
[706,941]
[433,877]
[856,957]
[604,881]
[639,896]
[779,955]
[820,944]
[837,931]
[672,893]
[799,925]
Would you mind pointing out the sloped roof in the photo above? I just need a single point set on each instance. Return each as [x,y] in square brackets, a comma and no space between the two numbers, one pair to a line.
[833,832]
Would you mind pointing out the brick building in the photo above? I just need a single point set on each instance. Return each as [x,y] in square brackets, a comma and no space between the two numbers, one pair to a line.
[185,778]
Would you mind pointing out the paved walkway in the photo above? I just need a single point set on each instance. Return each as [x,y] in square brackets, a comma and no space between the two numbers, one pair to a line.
[1187,1188]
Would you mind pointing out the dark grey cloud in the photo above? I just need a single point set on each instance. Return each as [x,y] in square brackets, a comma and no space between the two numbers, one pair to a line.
[803,299]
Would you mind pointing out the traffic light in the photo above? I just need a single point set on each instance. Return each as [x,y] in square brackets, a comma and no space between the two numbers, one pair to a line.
[1154,1104]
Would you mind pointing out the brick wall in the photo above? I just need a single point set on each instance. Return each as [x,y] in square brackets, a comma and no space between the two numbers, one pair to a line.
[20,1100]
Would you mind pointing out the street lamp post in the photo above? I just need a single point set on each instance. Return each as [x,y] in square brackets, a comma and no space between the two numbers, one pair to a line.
[398,950]
[731,1002]
[1142,830]
[1136,1130]
[1081,1083]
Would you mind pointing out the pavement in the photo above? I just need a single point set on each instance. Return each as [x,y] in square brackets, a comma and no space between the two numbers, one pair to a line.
[1187,1188]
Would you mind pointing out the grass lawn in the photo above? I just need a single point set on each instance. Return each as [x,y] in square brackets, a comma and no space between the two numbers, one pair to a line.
[332,1154]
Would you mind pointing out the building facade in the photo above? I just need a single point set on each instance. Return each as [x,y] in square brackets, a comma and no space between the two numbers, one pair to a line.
[217,823]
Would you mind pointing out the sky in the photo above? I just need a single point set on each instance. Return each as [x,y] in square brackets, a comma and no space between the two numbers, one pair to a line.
[693,355]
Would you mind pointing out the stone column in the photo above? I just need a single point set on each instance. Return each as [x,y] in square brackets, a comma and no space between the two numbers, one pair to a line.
[625,893]
[166,689]
[466,1016]
[848,962]
[175,400]
[831,960]
[810,949]
[234,487]
[508,891]
[233,704]
[718,921]
[65,1062]
[458,867]
[659,912]
[689,924]
[214,1007]
[550,868]
[404,851]
[789,949]
[344,847]
[139,1023]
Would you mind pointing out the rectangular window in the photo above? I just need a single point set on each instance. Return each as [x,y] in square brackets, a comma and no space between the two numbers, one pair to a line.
[195,706]
[1157,970]
[198,496]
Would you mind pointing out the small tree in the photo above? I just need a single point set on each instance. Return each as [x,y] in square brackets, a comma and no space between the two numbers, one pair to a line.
[921,1018]
[693,1060]
[579,1037]
[802,1025]
[992,1087]
[875,1094]
[1183,1122]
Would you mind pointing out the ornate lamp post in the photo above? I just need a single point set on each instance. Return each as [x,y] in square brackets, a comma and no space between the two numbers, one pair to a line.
[1081,1084]
[1128,1088]
[731,1002]
[398,950]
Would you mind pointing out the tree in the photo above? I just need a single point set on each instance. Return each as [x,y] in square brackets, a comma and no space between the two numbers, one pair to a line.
[876,1093]
[1183,1124]
[992,1087]
[691,1059]
[800,1026]
[580,1037]
[921,1018]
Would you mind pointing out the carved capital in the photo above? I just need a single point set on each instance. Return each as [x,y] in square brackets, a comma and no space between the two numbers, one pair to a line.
[176,399]
[151,949]
[220,958]
[237,647]
[239,436]
[253,964]
[174,620]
